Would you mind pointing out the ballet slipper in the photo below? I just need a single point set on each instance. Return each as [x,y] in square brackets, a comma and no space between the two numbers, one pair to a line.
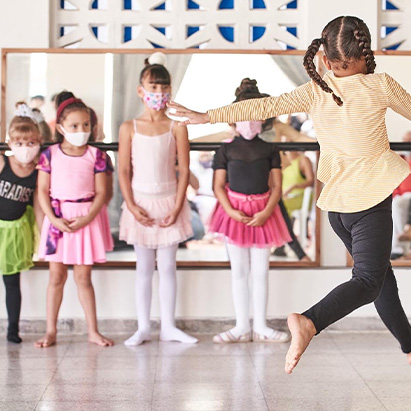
[227,337]
[275,337]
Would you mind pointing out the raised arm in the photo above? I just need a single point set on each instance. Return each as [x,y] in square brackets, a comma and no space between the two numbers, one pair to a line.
[398,98]
[299,100]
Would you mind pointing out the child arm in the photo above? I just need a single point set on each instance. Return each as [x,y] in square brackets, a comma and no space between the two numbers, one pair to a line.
[275,183]
[43,188]
[219,188]
[299,100]
[398,98]
[100,187]
[306,169]
[183,157]
[110,171]
[38,212]
[125,173]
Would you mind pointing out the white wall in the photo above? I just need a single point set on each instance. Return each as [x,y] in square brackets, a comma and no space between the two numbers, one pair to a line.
[24,24]
[319,12]
[202,293]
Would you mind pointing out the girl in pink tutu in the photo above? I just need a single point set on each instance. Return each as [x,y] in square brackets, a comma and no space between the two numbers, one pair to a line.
[156,215]
[72,191]
[249,217]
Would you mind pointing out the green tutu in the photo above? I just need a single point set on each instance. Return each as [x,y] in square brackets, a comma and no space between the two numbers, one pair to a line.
[17,240]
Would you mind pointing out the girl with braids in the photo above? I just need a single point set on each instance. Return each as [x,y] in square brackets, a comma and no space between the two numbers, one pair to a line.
[249,217]
[357,167]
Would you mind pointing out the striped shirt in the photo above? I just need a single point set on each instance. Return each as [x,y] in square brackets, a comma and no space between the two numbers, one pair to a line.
[356,165]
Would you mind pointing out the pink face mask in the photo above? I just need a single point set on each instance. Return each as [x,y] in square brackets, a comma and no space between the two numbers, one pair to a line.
[25,154]
[156,101]
[249,129]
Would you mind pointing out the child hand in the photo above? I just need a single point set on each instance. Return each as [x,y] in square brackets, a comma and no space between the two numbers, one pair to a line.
[258,219]
[194,117]
[142,216]
[78,222]
[62,224]
[239,216]
[169,219]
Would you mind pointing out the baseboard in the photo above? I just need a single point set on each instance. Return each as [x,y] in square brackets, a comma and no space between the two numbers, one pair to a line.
[199,326]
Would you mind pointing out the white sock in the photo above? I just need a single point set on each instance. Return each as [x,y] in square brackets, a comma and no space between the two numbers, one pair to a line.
[143,292]
[166,264]
[240,267]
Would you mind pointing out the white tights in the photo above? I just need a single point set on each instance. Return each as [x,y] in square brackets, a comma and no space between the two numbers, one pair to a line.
[166,264]
[243,261]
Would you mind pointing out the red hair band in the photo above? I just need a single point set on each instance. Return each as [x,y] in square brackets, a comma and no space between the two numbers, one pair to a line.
[67,103]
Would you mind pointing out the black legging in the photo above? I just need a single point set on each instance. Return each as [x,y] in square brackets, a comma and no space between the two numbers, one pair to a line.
[367,236]
[294,244]
[13,300]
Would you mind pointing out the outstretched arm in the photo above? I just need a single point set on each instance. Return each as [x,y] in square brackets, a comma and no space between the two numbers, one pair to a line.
[299,100]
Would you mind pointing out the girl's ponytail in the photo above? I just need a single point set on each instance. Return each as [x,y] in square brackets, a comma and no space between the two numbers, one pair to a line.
[364,44]
[312,70]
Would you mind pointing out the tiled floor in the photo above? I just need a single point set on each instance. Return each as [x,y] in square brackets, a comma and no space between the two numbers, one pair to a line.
[340,371]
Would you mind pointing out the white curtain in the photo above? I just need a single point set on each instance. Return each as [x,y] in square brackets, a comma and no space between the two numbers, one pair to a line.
[293,67]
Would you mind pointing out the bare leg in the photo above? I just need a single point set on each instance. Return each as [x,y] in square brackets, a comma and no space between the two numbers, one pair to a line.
[82,277]
[302,331]
[58,277]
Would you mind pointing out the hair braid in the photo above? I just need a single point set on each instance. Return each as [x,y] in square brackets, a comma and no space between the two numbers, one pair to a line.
[309,65]
[364,43]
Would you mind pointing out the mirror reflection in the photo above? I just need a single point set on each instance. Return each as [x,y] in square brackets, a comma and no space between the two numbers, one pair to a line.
[108,83]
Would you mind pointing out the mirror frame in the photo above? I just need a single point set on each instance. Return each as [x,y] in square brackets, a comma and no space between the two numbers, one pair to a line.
[193,146]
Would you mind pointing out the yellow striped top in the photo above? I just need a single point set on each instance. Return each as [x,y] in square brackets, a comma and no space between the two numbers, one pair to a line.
[356,165]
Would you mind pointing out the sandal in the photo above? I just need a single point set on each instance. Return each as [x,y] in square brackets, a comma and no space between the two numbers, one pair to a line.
[275,337]
[227,338]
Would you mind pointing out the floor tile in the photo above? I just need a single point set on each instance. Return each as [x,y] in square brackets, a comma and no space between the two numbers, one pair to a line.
[17,405]
[94,405]
[321,404]
[138,392]
[338,372]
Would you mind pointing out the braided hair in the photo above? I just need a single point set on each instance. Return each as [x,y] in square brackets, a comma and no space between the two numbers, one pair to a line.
[345,39]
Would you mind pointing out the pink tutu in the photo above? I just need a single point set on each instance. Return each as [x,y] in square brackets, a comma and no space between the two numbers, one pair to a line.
[155,236]
[274,232]
[86,246]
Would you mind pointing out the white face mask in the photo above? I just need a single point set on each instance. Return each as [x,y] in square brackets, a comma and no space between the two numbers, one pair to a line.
[25,154]
[77,139]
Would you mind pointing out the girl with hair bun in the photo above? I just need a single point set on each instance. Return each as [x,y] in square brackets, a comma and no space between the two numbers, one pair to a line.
[247,184]
[358,169]
[156,215]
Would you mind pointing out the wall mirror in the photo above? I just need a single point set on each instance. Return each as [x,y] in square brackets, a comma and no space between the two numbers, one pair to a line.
[107,79]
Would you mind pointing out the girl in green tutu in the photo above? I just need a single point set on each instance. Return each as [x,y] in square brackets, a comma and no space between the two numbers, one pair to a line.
[17,203]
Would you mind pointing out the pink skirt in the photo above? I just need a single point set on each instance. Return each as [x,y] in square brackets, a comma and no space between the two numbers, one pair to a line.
[155,236]
[86,246]
[274,232]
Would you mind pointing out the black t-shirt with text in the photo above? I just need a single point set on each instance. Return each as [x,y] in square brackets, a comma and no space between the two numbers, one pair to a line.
[15,192]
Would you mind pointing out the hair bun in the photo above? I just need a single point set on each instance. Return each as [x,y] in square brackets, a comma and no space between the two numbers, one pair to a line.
[247,84]
[158,58]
